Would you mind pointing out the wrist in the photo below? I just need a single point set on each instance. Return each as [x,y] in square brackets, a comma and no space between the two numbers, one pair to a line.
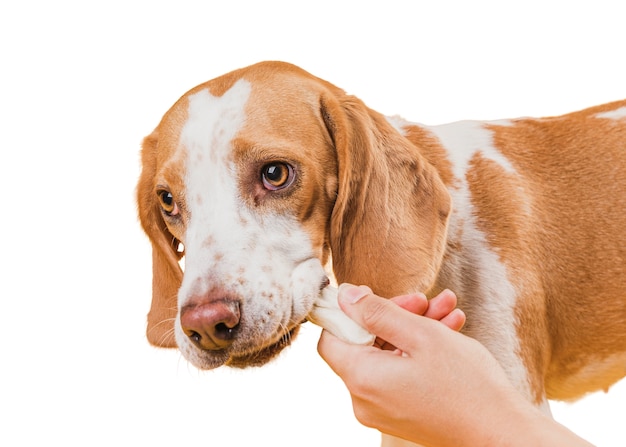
[527,425]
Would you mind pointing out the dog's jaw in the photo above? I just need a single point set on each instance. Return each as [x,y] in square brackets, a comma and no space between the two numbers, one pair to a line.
[270,319]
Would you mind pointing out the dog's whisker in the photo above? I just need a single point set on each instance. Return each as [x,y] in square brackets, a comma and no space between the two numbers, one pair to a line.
[167,336]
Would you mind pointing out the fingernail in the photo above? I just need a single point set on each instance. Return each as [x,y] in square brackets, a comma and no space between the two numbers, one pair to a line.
[351,294]
[421,295]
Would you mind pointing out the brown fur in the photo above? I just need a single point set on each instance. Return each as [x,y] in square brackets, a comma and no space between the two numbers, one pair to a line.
[166,272]
[574,168]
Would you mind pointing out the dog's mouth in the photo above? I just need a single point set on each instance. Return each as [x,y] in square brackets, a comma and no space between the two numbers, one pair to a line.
[240,355]
[265,354]
[228,330]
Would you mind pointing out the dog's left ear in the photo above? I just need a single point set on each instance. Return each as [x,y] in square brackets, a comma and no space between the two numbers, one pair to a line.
[166,272]
[389,223]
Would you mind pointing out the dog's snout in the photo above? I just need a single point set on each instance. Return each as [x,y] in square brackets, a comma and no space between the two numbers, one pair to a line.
[211,325]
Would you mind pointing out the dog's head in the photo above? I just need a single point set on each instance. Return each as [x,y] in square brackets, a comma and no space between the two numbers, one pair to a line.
[254,178]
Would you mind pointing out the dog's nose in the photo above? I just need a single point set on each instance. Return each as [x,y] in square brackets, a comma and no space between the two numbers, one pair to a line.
[211,325]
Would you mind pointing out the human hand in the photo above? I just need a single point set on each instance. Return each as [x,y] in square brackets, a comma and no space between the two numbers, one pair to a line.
[442,308]
[444,389]
[327,314]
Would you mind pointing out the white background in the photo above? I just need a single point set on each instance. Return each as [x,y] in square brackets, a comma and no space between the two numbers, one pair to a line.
[83,82]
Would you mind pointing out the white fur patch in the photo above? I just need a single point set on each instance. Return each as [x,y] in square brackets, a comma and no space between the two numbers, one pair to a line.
[616,114]
[211,187]
[463,140]
[496,293]
[397,122]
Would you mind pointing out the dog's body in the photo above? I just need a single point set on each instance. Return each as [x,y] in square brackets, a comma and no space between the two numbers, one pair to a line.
[264,172]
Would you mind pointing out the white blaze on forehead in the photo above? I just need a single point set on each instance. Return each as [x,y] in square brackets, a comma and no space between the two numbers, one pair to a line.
[613,114]
[229,244]
[213,121]
[211,182]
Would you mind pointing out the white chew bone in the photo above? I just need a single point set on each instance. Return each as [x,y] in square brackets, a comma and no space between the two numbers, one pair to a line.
[327,314]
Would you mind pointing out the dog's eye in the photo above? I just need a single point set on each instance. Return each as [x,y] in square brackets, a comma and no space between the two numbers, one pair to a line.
[167,202]
[277,176]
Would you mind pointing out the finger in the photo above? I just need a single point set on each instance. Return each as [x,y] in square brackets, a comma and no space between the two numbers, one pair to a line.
[441,305]
[381,317]
[455,320]
[416,303]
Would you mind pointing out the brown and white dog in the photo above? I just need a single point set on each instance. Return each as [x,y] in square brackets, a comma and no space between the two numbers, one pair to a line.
[258,176]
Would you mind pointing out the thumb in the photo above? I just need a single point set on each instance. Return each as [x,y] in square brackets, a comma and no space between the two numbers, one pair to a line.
[382,317]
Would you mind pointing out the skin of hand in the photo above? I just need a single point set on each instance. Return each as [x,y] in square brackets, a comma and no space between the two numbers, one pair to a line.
[427,383]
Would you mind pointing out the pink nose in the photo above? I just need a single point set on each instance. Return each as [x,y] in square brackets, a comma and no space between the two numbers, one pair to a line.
[211,325]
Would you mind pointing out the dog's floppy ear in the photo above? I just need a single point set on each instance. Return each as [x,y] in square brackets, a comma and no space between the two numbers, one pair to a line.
[389,223]
[166,272]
